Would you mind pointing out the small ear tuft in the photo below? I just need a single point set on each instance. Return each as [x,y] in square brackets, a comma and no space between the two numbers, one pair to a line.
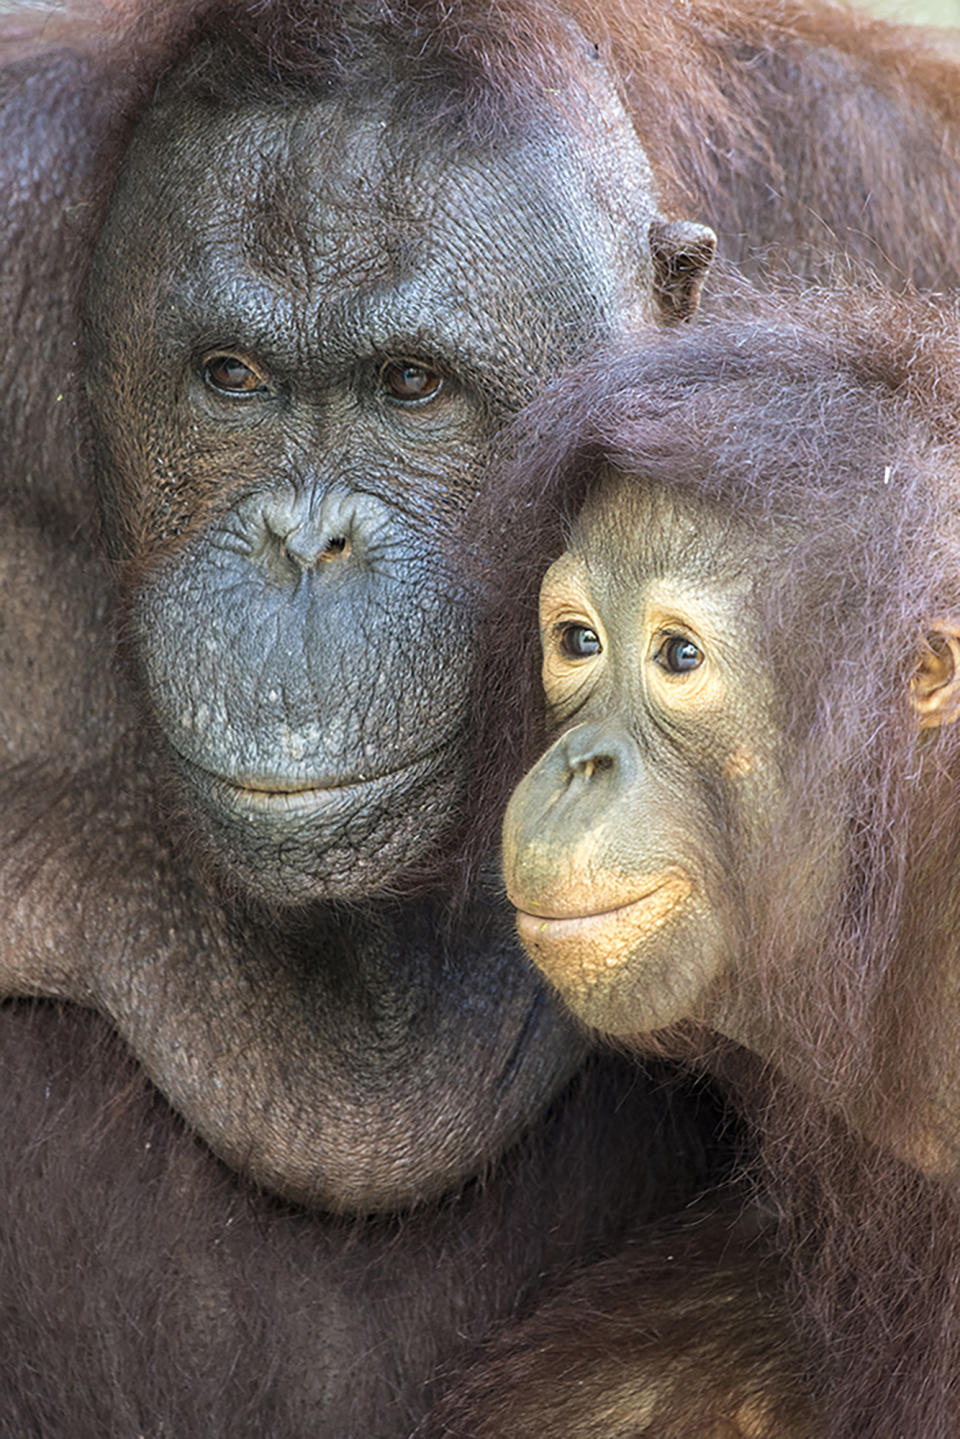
[682,252]
[935,686]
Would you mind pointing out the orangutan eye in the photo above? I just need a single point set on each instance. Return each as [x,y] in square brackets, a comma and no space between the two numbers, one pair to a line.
[579,642]
[230,375]
[409,383]
[679,655]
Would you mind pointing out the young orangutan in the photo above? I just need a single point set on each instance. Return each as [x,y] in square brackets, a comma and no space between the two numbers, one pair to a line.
[744,839]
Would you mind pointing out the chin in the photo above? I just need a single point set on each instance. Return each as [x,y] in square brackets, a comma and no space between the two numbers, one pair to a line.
[652,989]
[320,842]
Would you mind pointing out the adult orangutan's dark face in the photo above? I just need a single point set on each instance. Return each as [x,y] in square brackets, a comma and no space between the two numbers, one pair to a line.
[305,329]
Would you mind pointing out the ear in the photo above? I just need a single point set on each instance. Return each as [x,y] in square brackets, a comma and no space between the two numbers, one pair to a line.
[682,252]
[935,686]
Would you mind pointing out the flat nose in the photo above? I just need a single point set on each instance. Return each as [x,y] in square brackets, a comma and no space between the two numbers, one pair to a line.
[597,755]
[294,533]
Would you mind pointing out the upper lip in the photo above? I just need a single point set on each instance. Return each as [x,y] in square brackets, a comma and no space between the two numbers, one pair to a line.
[289,787]
[656,882]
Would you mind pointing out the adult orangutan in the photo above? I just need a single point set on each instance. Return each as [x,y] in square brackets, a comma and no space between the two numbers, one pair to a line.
[322,253]
[742,840]
[298,345]
[295,358]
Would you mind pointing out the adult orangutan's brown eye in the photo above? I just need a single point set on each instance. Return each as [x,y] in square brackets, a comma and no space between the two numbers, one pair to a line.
[408,382]
[232,375]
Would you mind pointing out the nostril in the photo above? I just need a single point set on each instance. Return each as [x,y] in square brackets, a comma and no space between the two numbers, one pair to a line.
[588,756]
[294,535]
[598,756]
[305,547]
[597,764]
[335,549]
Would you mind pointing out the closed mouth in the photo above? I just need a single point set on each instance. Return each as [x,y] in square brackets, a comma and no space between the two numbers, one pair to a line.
[608,935]
[279,796]
[287,801]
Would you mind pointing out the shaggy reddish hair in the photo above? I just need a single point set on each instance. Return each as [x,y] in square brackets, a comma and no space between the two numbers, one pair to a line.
[726,95]
[834,422]
[788,127]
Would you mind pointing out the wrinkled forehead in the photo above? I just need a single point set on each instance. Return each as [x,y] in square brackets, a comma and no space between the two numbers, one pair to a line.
[296,192]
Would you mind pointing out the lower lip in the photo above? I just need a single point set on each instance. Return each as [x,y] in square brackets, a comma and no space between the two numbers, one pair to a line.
[602,941]
[313,798]
[296,801]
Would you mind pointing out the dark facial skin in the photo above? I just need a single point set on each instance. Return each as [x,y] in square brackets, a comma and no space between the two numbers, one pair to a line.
[319,336]
[627,890]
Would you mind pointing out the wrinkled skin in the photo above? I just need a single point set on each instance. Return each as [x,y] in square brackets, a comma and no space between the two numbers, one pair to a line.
[189,856]
[185,969]
[153,1288]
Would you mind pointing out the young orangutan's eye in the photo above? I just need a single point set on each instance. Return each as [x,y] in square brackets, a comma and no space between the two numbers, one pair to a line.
[679,655]
[579,642]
